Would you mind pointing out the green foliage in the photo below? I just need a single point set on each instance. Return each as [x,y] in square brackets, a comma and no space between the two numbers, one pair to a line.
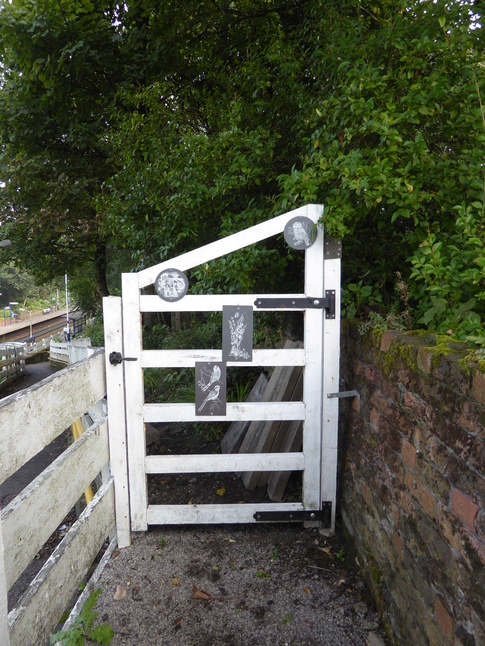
[82,628]
[153,128]
[59,66]
[449,274]
[95,331]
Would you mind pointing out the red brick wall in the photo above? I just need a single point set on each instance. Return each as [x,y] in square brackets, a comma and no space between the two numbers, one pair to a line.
[412,483]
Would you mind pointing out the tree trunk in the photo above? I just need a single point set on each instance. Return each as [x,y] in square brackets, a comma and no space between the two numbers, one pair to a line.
[100,264]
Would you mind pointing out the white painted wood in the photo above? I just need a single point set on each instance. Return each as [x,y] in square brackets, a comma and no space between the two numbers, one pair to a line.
[133,375]
[187,358]
[229,244]
[113,342]
[37,511]
[36,411]
[312,384]
[331,381]
[235,412]
[225,463]
[213,514]
[211,302]
[310,409]
[38,611]
[4,633]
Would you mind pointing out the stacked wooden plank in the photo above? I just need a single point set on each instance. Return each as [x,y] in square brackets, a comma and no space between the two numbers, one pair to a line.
[285,384]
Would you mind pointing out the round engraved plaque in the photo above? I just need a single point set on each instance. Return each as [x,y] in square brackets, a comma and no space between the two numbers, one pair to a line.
[300,233]
[171,285]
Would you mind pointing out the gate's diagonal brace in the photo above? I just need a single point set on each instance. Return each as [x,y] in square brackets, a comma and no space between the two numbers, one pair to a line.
[327,303]
[323,515]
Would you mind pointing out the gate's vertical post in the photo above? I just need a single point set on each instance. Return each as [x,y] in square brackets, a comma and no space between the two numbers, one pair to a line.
[113,342]
[331,377]
[4,632]
[132,344]
[312,383]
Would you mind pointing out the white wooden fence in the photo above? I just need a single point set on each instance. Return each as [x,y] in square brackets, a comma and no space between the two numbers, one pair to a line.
[12,362]
[29,421]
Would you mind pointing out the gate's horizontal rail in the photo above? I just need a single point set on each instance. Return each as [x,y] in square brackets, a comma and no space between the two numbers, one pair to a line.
[211,514]
[267,411]
[225,463]
[187,358]
[215,302]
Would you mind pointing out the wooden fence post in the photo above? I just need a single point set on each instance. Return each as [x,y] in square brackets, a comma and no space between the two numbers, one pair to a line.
[113,341]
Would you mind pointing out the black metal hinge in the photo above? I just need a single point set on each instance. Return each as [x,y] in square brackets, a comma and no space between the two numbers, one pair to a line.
[323,515]
[327,303]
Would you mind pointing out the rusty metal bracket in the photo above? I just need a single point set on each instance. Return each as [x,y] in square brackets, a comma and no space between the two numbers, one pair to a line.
[344,393]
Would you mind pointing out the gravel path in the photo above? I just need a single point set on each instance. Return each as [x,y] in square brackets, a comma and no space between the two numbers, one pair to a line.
[236,585]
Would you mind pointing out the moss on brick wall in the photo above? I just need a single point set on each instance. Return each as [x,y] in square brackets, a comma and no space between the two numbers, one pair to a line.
[412,482]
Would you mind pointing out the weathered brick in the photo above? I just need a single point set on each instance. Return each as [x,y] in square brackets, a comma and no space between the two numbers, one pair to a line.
[366,493]
[424,360]
[478,546]
[417,406]
[408,453]
[422,423]
[421,493]
[374,419]
[478,387]
[398,543]
[465,508]
[386,339]
[444,619]
[393,461]
[433,478]
[469,418]
[450,527]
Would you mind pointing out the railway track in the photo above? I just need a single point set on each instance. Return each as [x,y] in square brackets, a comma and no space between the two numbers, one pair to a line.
[40,329]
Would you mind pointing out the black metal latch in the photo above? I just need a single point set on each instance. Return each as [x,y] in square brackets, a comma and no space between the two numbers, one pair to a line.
[115,358]
[323,515]
[327,303]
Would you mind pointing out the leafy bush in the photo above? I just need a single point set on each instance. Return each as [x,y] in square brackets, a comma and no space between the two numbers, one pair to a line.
[82,628]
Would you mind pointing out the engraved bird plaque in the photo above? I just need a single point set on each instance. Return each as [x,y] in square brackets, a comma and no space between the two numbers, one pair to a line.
[300,233]
[237,333]
[210,388]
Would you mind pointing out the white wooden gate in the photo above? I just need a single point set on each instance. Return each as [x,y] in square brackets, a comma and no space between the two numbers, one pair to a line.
[318,410]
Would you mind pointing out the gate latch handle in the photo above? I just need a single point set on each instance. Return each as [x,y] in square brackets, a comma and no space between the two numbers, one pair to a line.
[115,358]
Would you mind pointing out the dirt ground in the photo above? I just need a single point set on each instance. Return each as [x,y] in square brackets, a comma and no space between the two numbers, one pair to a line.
[259,584]
[236,585]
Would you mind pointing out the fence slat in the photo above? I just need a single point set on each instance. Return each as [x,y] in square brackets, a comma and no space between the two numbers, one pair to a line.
[32,418]
[32,517]
[34,619]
